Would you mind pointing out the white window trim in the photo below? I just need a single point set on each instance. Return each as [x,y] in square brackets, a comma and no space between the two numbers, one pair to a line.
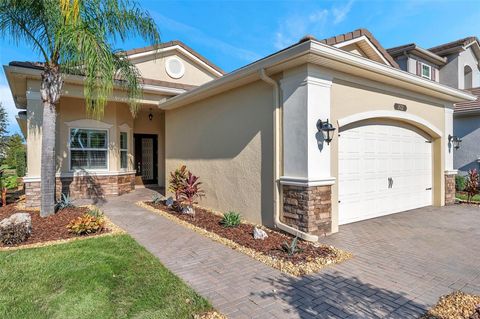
[90,149]
[123,150]
[429,68]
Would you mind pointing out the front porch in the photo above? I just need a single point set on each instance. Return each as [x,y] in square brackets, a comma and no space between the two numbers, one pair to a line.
[97,159]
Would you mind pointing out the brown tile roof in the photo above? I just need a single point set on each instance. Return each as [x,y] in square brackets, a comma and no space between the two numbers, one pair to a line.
[453,45]
[469,105]
[356,34]
[419,51]
[39,66]
[172,43]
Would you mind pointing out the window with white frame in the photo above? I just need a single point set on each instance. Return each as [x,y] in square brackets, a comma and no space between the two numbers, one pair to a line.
[426,71]
[123,150]
[88,149]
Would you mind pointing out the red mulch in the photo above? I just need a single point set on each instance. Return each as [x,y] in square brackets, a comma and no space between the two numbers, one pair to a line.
[243,235]
[49,228]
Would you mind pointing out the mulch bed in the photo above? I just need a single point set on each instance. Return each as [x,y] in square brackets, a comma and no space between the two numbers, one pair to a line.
[49,228]
[243,235]
[457,305]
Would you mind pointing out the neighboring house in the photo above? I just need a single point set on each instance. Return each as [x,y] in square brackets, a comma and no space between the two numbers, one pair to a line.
[455,64]
[257,137]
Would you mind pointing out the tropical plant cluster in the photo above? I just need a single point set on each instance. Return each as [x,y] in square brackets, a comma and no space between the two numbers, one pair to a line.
[91,222]
[186,188]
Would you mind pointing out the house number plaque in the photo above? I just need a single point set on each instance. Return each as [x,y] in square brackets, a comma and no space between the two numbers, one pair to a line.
[400,107]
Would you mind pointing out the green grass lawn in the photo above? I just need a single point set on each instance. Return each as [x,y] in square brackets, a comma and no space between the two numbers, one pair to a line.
[106,277]
[464,196]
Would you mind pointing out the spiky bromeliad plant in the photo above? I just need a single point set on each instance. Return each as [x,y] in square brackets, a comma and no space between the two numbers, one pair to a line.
[77,37]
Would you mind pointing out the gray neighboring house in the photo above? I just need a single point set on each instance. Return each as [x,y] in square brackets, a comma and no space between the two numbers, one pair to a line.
[455,64]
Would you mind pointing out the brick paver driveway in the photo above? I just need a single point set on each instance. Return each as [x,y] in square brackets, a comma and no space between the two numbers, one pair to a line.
[402,264]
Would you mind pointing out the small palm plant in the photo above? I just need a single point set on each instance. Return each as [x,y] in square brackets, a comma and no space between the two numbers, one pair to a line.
[76,37]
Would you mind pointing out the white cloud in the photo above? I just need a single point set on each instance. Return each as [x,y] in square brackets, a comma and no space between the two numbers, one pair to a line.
[6,99]
[195,35]
[340,13]
[292,28]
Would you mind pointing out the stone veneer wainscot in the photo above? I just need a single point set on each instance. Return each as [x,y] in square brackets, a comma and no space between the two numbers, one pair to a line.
[83,186]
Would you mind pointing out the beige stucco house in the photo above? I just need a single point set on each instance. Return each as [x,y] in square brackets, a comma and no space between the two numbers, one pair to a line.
[257,137]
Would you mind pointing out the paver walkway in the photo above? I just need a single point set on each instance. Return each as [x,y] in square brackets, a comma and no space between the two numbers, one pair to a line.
[402,264]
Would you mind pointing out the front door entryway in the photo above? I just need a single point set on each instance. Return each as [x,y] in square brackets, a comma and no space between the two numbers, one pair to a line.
[146,158]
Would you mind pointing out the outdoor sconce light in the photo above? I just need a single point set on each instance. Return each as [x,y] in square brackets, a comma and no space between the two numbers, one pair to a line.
[150,116]
[455,141]
[327,129]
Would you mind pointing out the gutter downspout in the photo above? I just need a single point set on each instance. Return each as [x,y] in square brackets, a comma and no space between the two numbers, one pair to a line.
[276,161]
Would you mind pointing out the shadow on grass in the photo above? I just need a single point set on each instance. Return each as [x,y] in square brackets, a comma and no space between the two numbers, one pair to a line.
[333,295]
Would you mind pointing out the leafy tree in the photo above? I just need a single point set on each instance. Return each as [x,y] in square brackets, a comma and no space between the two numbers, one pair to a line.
[76,37]
[3,128]
[13,144]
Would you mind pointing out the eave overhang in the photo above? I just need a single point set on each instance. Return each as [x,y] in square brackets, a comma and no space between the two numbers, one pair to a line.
[329,57]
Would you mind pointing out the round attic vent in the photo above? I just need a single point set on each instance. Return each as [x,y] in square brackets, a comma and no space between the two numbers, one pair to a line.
[174,67]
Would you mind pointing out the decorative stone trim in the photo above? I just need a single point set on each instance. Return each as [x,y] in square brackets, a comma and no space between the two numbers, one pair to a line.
[308,209]
[83,186]
[449,189]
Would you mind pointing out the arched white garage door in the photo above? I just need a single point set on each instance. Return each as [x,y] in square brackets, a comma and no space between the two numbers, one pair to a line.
[384,168]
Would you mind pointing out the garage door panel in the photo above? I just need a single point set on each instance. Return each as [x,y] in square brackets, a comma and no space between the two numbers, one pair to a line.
[380,152]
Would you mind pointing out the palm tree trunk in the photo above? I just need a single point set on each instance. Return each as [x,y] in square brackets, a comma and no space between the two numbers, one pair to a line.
[50,91]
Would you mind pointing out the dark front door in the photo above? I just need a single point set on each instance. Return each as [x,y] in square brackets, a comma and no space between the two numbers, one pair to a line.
[146,160]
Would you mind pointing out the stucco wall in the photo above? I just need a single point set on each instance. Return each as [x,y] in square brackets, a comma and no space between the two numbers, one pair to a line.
[467,57]
[449,72]
[155,69]
[468,129]
[348,97]
[227,140]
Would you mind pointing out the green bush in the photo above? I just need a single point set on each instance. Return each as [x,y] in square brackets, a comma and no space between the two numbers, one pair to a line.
[460,183]
[10,182]
[231,219]
[21,162]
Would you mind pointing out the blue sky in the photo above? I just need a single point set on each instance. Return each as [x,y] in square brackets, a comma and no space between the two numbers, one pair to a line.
[234,33]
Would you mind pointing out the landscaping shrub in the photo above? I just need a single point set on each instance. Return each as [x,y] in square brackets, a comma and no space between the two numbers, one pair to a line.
[177,180]
[190,191]
[292,248]
[64,202]
[231,219]
[86,224]
[95,212]
[460,183]
[6,183]
[472,184]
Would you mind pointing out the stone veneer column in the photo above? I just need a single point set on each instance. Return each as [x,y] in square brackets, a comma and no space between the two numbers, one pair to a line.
[308,208]
[306,180]
[450,189]
[449,171]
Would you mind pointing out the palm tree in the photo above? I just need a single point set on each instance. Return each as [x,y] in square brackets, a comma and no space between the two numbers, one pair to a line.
[76,37]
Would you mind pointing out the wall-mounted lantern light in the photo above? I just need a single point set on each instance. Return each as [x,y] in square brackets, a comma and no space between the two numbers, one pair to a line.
[455,141]
[327,130]
[150,116]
